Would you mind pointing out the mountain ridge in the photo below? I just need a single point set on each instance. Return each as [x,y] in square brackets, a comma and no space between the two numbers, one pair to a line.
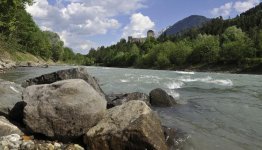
[185,24]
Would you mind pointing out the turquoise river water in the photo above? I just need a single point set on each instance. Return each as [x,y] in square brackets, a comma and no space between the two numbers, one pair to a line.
[216,111]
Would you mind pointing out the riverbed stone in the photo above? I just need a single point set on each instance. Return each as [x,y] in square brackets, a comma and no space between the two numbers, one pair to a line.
[62,110]
[132,125]
[10,94]
[10,142]
[160,98]
[119,99]
[74,73]
[32,64]
[16,142]
[7,128]
[6,64]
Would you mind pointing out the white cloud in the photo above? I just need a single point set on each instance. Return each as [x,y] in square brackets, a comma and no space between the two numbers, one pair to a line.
[138,26]
[223,10]
[39,9]
[44,28]
[81,19]
[79,42]
[245,5]
[238,6]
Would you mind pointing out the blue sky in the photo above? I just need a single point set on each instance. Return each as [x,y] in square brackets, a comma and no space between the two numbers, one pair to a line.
[83,24]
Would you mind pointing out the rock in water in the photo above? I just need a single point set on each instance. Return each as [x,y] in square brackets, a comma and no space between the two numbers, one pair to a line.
[159,98]
[7,128]
[74,73]
[10,94]
[63,110]
[132,125]
[119,99]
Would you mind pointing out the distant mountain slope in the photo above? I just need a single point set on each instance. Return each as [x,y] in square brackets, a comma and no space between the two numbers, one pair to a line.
[187,23]
[248,21]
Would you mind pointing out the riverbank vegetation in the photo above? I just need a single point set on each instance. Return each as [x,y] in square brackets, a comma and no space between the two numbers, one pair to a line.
[20,36]
[233,42]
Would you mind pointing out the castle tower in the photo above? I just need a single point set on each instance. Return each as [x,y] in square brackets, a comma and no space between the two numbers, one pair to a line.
[130,39]
[150,34]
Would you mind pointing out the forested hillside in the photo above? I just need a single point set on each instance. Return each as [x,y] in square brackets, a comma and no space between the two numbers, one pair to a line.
[20,34]
[236,43]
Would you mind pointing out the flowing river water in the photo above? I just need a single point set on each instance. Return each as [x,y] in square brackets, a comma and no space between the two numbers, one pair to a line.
[217,111]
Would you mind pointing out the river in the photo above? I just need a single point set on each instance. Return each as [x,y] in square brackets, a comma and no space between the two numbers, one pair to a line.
[217,111]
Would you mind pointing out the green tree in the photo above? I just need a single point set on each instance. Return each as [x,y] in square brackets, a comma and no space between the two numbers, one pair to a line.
[206,49]
[259,51]
[8,11]
[119,59]
[149,44]
[68,55]
[236,46]
[180,53]
[133,55]
[56,45]
[79,59]
[163,61]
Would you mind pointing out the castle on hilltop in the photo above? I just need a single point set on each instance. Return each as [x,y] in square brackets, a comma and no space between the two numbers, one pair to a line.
[150,34]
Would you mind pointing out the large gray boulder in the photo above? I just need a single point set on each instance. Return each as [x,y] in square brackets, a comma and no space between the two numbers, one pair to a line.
[63,110]
[10,94]
[119,99]
[74,73]
[160,98]
[7,128]
[132,125]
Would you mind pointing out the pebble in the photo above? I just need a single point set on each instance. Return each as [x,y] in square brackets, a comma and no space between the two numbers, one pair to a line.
[16,142]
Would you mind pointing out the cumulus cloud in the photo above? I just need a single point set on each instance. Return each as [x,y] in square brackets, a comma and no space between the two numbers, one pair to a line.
[238,6]
[223,10]
[78,41]
[138,26]
[77,20]
[245,5]
[39,9]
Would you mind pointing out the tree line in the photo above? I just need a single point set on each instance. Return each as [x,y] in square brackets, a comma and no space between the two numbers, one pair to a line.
[236,42]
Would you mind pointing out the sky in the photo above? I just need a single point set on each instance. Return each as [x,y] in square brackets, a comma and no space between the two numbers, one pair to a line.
[85,24]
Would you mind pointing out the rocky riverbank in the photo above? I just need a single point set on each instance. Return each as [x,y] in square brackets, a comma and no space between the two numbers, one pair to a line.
[6,65]
[9,64]
[68,110]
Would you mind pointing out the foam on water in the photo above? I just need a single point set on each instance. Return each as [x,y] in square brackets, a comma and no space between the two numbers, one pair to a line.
[128,74]
[189,79]
[175,85]
[124,81]
[174,94]
[148,79]
[12,88]
[226,82]
[208,79]
[184,72]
